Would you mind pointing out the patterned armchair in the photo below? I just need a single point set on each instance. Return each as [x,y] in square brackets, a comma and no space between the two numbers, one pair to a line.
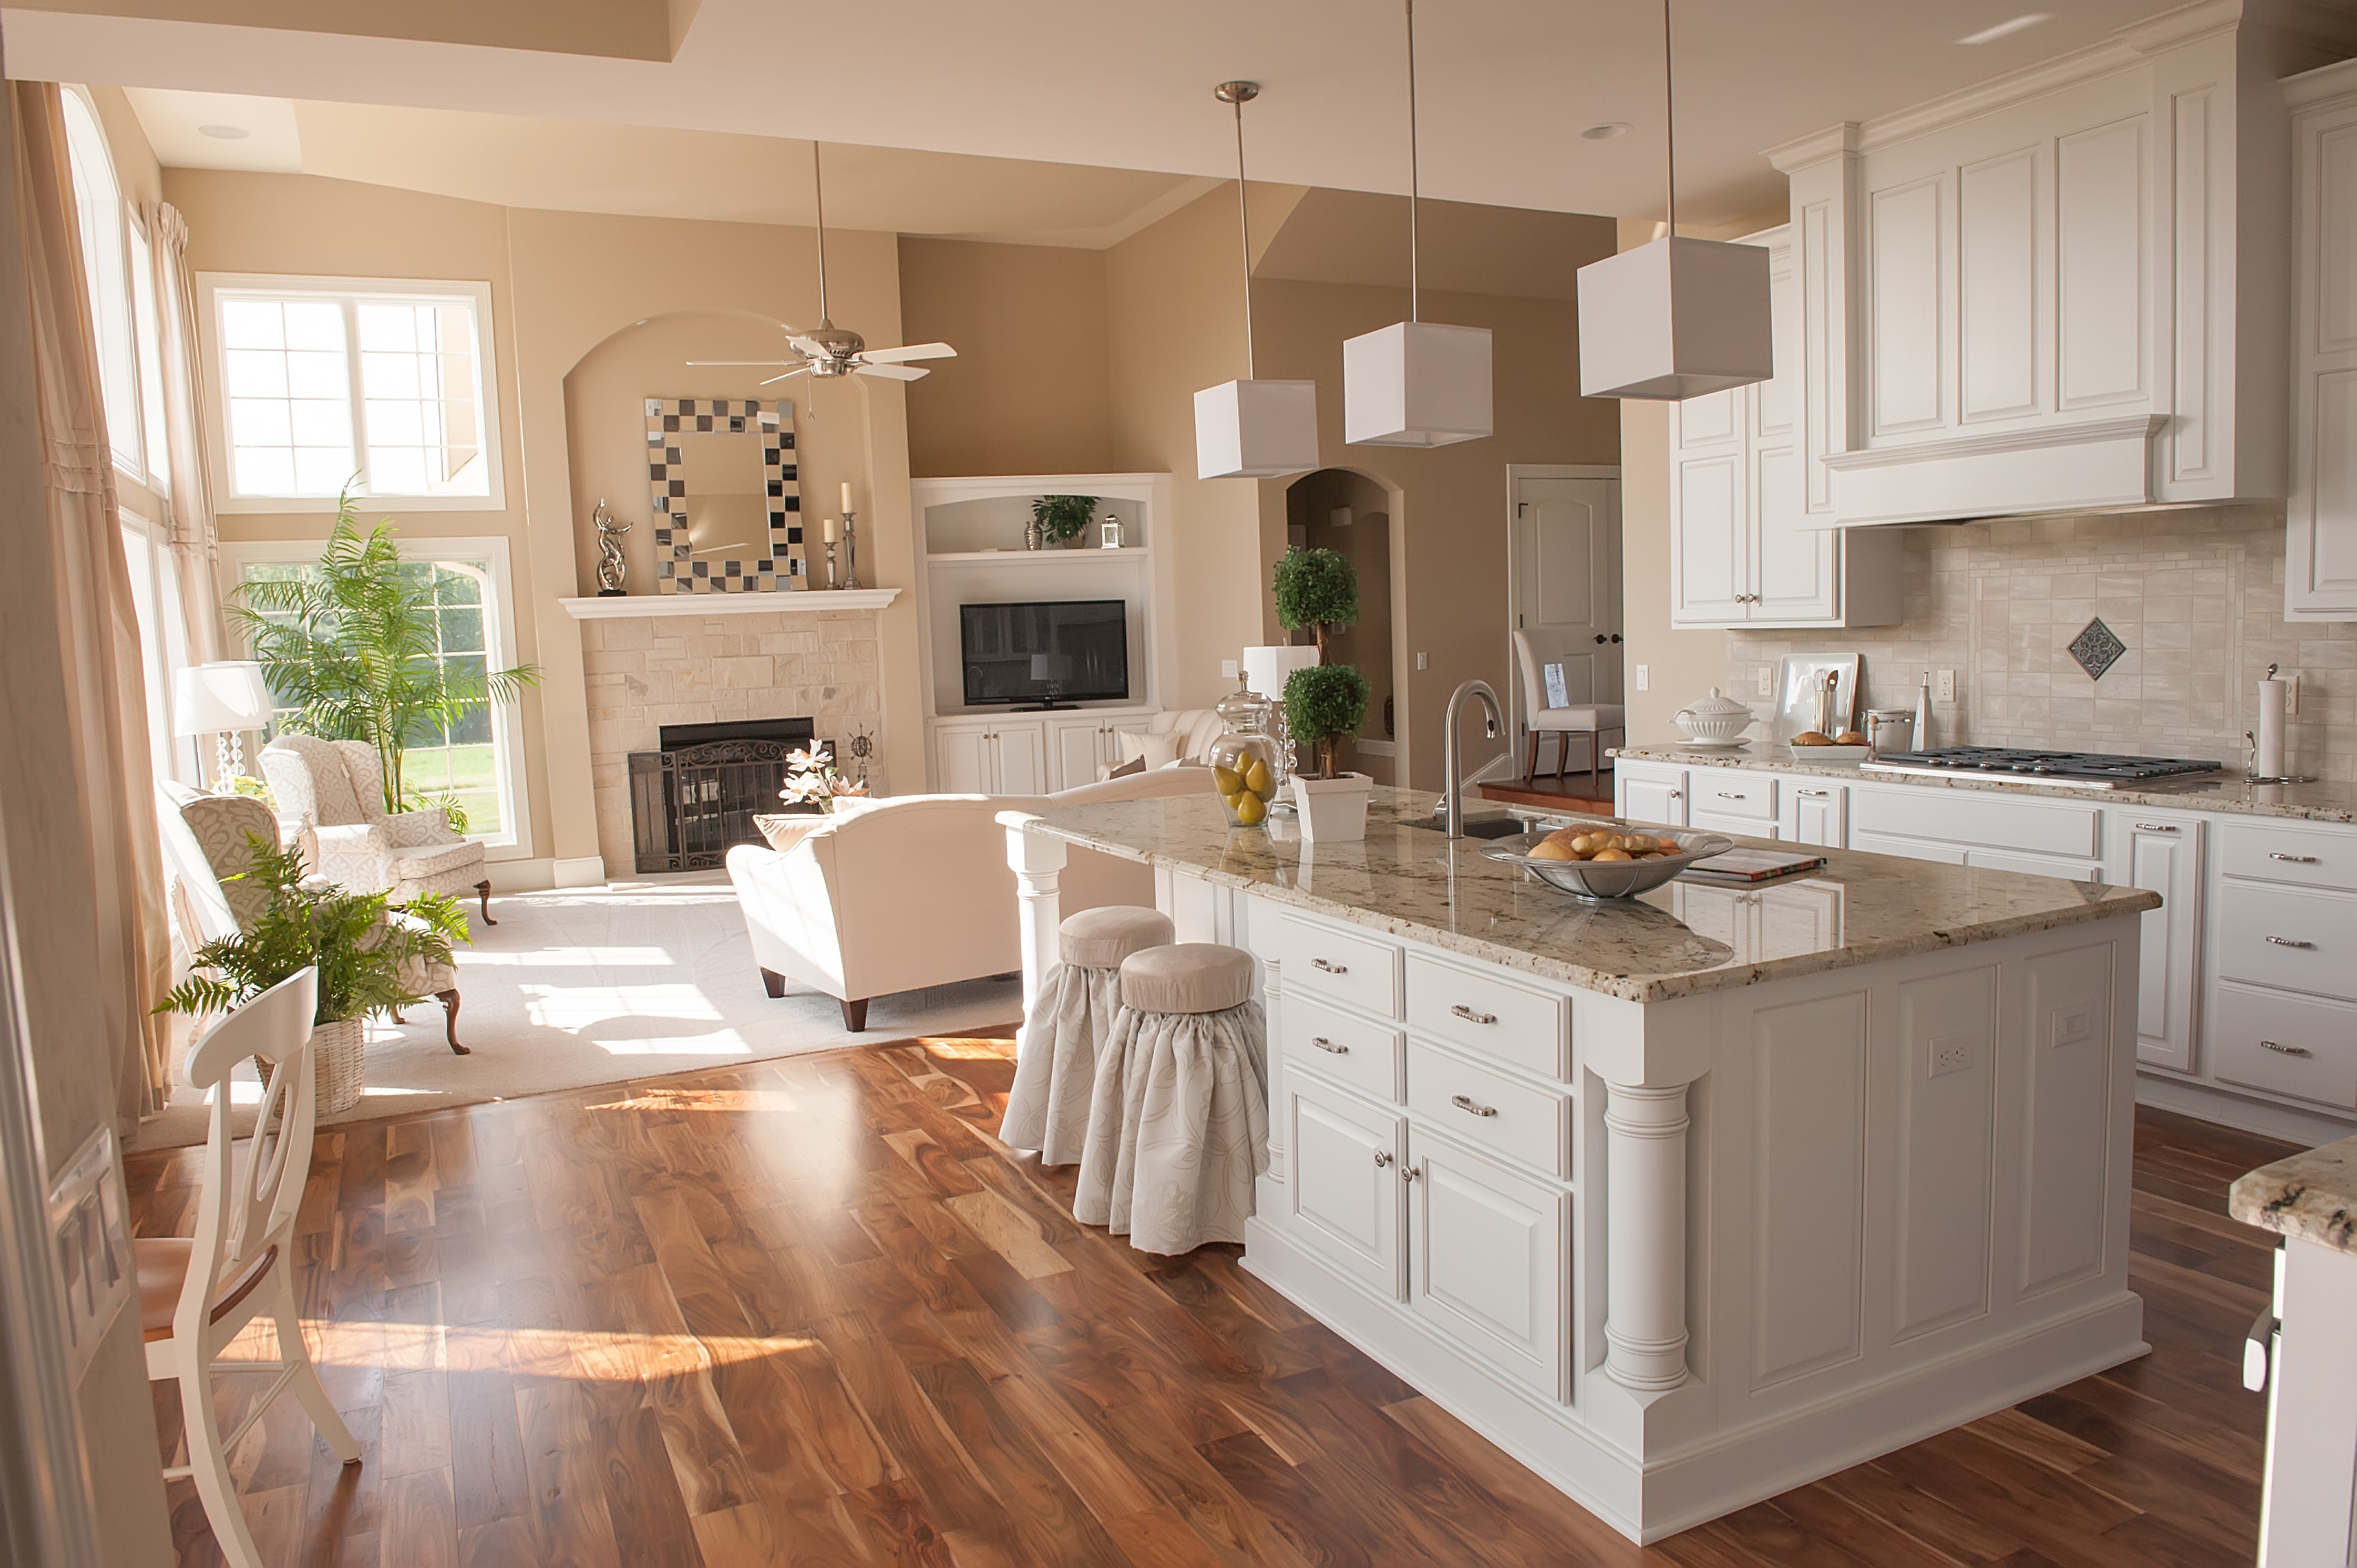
[206,850]
[331,795]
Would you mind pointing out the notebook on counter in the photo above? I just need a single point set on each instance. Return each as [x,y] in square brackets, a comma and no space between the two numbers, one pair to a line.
[1741,866]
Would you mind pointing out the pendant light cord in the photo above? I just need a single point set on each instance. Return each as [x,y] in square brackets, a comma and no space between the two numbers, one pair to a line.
[1414,280]
[1669,124]
[1243,227]
[818,192]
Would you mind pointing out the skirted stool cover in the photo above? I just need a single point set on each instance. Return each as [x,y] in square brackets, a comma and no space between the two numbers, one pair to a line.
[1047,1110]
[1179,1129]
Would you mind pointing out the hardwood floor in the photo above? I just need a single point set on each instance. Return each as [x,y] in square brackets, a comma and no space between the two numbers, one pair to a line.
[1589,792]
[811,1313]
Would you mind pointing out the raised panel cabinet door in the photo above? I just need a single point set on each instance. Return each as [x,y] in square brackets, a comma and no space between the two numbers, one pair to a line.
[1650,797]
[961,761]
[1487,1251]
[1022,757]
[1734,827]
[1795,570]
[1075,748]
[1816,814]
[2162,854]
[1907,265]
[2101,263]
[2320,565]
[1345,1187]
[1710,554]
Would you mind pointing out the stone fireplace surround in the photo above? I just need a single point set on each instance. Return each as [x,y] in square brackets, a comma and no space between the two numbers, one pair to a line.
[669,665]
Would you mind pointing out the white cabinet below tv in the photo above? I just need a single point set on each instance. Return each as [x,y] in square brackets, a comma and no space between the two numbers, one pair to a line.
[1029,754]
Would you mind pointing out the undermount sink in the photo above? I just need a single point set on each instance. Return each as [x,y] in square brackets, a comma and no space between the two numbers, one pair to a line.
[1482,827]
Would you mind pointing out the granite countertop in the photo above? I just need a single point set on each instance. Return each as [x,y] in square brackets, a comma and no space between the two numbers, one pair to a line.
[1683,940]
[2312,1197]
[2323,801]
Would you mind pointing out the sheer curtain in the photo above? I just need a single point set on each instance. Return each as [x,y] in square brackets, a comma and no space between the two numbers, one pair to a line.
[195,540]
[109,724]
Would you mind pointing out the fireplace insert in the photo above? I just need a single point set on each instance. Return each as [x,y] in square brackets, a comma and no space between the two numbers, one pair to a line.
[694,799]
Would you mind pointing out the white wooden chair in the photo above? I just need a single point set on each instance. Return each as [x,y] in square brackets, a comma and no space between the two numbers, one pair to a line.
[196,1293]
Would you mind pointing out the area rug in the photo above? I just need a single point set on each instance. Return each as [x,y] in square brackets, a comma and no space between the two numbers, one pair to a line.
[589,986]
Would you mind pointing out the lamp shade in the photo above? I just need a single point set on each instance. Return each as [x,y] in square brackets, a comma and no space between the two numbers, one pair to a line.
[1255,430]
[1267,667]
[1416,384]
[210,698]
[1675,320]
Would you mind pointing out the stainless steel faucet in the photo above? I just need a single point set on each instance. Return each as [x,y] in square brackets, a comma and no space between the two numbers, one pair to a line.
[1453,802]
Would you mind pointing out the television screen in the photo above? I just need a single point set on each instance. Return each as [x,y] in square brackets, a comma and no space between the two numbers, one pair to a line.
[1066,650]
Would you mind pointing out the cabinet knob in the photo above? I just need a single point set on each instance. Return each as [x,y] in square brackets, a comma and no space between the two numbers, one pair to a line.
[1407,1172]
[2156,827]
[1471,1108]
[1674,795]
[2284,1050]
[1382,1157]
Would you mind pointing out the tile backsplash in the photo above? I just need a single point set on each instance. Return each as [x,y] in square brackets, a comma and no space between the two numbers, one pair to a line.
[2197,596]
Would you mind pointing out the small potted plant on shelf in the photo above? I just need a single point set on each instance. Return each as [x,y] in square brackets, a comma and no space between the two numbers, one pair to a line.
[1058,520]
[365,950]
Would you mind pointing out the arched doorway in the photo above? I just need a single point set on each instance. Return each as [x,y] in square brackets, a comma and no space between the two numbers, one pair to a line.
[1346,512]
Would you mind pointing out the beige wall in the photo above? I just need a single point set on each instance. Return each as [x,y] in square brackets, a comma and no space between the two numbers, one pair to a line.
[1028,392]
[1310,502]
[1679,665]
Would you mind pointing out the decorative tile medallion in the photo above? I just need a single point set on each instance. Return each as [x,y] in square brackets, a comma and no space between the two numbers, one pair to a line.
[676,572]
[2097,648]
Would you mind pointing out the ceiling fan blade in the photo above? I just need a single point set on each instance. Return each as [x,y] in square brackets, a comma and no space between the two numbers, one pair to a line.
[893,372]
[741,361]
[913,351]
[790,375]
[808,348]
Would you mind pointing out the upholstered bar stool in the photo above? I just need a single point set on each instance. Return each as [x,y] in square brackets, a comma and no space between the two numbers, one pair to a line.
[1047,1108]
[1178,1127]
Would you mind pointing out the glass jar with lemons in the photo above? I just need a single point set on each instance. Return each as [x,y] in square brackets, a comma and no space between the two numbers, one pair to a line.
[1244,760]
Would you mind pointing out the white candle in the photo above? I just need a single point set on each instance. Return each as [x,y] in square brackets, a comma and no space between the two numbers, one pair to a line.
[846,495]
[830,531]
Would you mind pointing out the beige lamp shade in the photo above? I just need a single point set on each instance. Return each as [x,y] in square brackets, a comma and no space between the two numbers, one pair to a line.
[1416,384]
[1255,430]
[208,699]
[1267,667]
[1675,320]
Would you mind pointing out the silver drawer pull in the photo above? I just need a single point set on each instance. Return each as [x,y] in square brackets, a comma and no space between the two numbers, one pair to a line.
[2286,1050]
[1329,968]
[1382,1157]
[1470,1017]
[2290,942]
[1323,1043]
[2291,859]
[1815,794]
[1462,1103]
[1733,795]
[2156,827]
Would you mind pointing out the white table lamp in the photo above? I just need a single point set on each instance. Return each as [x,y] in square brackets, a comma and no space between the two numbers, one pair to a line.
[224,701]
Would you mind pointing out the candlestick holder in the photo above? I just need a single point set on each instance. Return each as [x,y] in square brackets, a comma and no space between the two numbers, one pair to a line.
[850,550]
[830,565]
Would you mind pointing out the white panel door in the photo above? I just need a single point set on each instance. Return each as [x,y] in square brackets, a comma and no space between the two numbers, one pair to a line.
[1651,795]
[1816,813]
[1906,260]
[2066,1087]
[1487,1252]
[1745,827]
[1565,538]
[961,761]
[1345,1181]
[1997,287]
[1807,1185]
[1947,1104]
[2161,852]
[1021,753]
[1711,553]
[1075,746]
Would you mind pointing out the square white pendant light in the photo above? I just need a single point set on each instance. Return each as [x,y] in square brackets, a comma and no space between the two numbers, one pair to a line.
[1416,384]
[1255,430]
[1675,320]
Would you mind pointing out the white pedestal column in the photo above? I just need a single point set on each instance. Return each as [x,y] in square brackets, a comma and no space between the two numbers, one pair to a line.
[1645,1241]
[1039,862]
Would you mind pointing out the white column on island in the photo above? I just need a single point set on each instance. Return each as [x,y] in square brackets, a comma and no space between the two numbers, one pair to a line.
[1039,862]
[1645,1240]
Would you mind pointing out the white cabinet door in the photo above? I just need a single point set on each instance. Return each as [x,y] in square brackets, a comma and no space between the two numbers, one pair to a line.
[1345,1181]
[1651,794]
[1075,746]
[1022,757]
[962,761]
[1710,537]
[1737,827]
[2161,852]
[1488,1250]
[2320,553]
[1816,813]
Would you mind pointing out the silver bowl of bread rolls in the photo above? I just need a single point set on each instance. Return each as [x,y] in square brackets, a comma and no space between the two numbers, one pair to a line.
[1605,860]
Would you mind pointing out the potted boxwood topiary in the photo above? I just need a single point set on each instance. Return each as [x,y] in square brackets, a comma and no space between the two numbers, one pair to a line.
[1322,704]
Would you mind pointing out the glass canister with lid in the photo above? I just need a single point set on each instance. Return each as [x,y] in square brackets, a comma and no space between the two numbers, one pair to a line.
[1244,760]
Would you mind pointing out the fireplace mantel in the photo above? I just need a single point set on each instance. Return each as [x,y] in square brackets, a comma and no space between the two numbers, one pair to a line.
[805,601]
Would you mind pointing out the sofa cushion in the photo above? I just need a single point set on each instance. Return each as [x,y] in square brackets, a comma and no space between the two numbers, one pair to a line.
[1153,750]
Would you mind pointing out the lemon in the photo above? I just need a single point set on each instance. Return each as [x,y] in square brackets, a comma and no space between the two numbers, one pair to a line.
[1250,811]
[1258,780]
[1227,780]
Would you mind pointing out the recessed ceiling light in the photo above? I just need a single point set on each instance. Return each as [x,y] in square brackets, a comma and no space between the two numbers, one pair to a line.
[224,133]
[2007,30]
[1606,131]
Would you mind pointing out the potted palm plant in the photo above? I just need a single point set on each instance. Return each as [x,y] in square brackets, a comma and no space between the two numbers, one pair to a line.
[364,952]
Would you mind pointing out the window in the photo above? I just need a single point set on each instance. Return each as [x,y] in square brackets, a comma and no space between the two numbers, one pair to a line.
[106,235]
[326,381]
[163,643]
[472,764]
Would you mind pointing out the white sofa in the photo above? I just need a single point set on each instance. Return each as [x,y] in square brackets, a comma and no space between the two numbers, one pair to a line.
[915,890]
[1196,727]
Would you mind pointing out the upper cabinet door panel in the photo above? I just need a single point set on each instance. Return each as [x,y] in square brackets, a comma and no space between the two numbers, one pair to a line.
[1908,259]
[1710,420]
[1777,406]
[2101,265]
[2333,240]
[1997,286]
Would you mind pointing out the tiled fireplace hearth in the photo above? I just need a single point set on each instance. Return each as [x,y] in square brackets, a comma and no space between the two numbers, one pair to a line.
[656,666]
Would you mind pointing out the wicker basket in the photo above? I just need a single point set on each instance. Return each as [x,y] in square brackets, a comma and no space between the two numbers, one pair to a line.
[343,1067]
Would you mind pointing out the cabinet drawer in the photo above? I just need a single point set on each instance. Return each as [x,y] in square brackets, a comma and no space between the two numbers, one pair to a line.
[1344,1047]
[1326,961]
[1966,816]
[1489,1015]
[2279,853]
[1505,1115]
[2289,938]
[2290,1044]
[1725,794]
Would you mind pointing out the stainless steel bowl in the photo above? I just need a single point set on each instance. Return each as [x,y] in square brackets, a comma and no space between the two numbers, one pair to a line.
[1609,878]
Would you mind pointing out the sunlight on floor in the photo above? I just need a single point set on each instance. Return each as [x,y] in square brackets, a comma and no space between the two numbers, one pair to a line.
[603,1016]
[588,1354]
[566,958]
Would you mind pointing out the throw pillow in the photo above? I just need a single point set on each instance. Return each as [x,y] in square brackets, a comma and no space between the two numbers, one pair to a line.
[1135,764]
[1154,750]
[784,830]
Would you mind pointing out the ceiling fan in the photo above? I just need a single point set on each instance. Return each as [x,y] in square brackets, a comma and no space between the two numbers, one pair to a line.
[827,350]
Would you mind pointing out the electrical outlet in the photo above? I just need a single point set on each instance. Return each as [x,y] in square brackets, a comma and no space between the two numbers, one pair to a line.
[1644,677]
[1945,690]
[1423,660]
[1228,668]
[2069,1027]
[1764,683]
[1951,1053]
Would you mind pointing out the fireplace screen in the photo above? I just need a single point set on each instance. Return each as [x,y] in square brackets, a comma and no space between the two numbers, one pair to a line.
[695,800]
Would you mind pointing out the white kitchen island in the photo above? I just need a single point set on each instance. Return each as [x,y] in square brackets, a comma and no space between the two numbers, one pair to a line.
[1685,1201]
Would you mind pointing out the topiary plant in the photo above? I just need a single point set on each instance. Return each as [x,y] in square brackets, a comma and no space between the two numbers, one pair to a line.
[1060,518]
[1319,589]
[1322,704]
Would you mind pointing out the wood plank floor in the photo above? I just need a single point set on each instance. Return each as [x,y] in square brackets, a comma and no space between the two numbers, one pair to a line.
[811,1313]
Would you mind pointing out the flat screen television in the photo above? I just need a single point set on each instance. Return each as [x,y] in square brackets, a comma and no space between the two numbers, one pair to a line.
[1044,655]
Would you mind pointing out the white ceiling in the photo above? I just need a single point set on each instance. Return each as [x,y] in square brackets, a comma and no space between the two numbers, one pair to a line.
[1505,85]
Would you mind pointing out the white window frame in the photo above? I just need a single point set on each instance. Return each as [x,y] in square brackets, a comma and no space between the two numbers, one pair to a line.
[412,291]
[513,841]
[133,463]
[163,645]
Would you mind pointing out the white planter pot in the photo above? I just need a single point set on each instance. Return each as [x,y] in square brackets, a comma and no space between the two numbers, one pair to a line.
[1333,810]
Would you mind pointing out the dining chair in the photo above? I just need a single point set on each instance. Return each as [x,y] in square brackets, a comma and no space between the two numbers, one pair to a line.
[197,1293]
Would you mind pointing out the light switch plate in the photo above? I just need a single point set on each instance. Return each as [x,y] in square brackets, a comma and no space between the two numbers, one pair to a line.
[90,1238]
[1423,659]
[1228,670]
[1644,677]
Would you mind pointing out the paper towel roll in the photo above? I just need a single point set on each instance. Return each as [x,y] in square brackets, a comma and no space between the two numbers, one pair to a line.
[2273,698]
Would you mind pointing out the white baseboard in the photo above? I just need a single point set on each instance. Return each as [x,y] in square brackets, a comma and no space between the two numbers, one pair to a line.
[2208,1104]
[579,871]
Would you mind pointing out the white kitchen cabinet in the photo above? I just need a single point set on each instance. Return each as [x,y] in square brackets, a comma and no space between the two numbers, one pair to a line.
[1644,792]
[992,758]
[2310,1496]
[1743,552]
[1345,1181]
[1487,1249]
[1708,822]
[2161,850]
[1815,813]
[1079,747]
[2320,543]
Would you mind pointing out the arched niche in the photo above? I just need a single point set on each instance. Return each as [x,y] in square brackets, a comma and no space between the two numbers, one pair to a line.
[1351,513]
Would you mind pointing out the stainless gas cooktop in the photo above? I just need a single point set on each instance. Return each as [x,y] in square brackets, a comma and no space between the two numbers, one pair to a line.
[2005,765]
